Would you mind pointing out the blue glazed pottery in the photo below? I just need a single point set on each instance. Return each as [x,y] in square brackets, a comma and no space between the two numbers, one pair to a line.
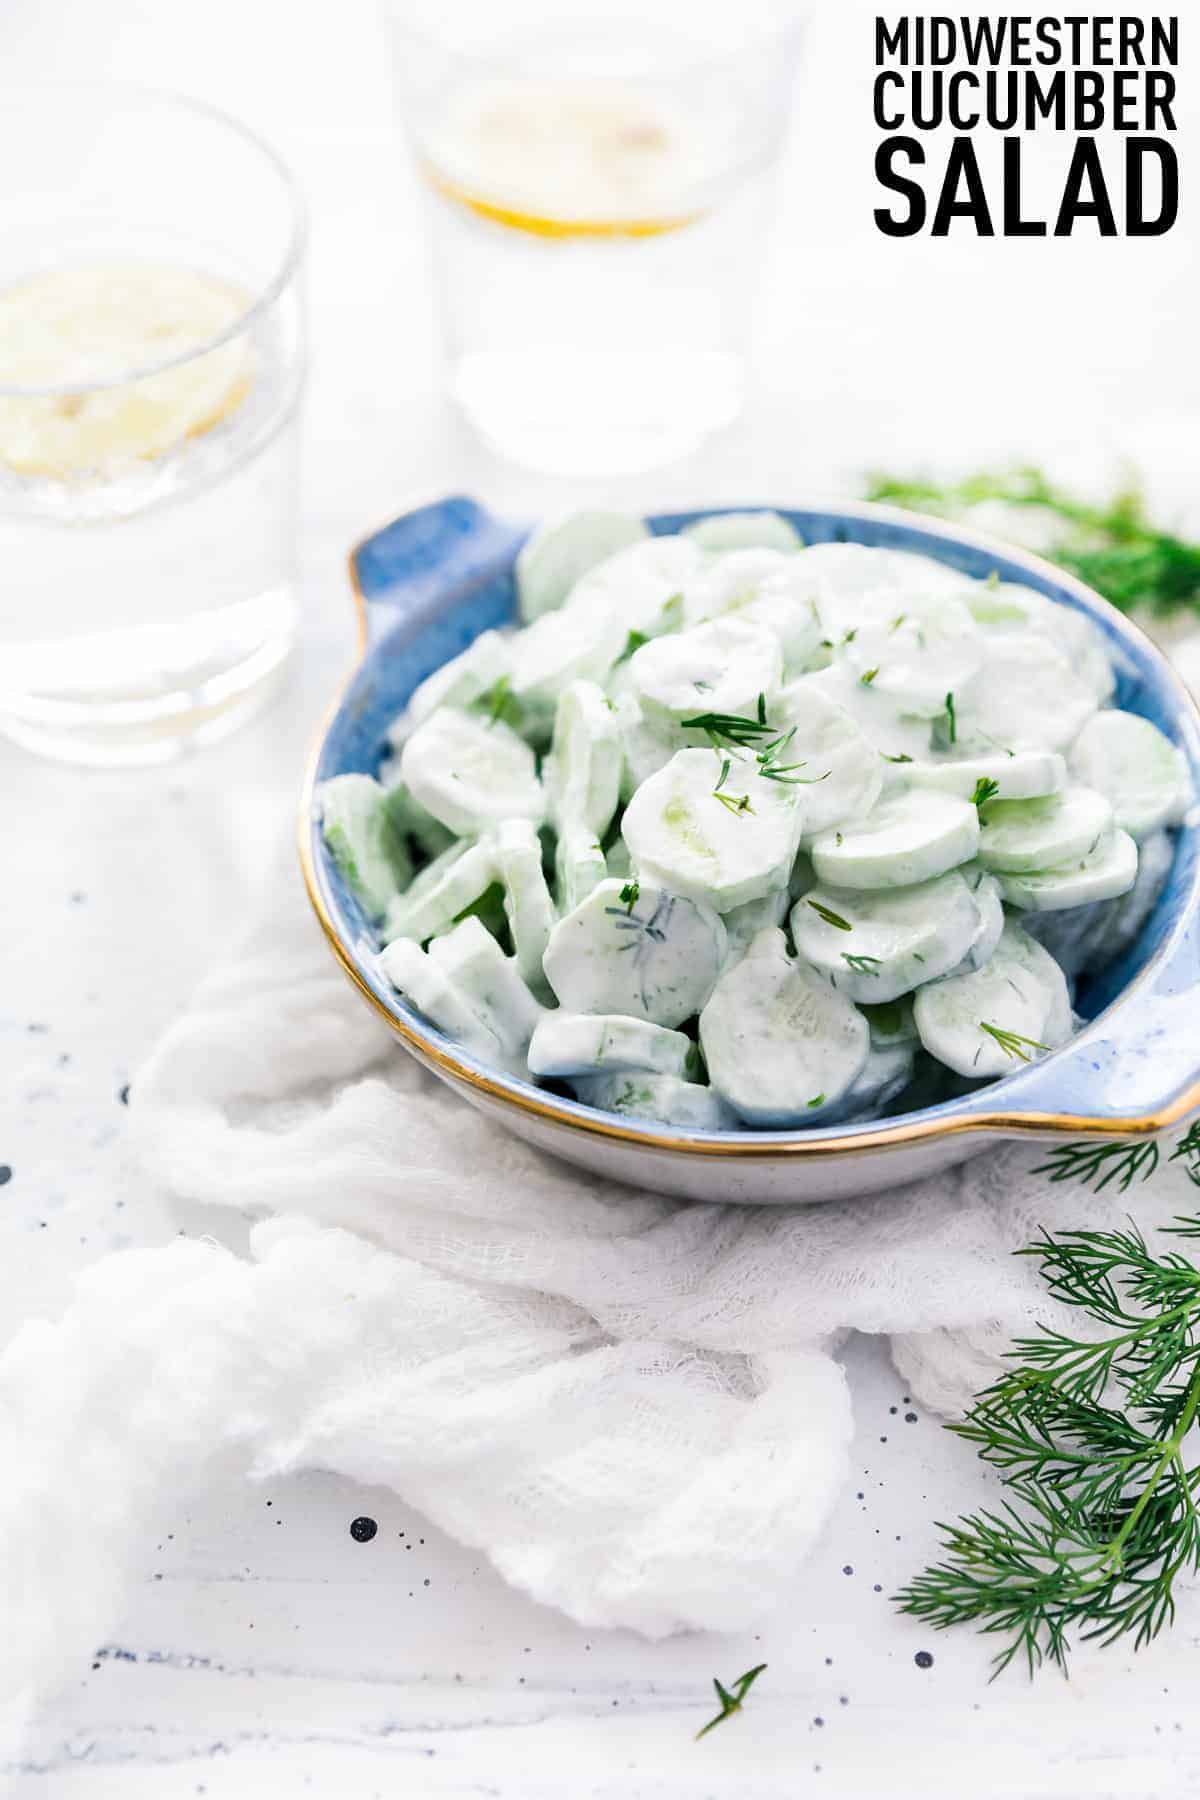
[431,581]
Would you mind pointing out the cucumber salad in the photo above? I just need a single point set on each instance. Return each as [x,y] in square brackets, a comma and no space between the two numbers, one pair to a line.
[729,832]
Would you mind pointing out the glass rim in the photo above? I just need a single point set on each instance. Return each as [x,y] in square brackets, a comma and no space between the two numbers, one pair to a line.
[789,20]
[264,297]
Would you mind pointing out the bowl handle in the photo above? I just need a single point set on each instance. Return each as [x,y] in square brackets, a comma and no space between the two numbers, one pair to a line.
[1136,1070]
[429,551]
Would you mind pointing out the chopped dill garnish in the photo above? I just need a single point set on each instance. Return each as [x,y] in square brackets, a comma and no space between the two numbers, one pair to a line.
[985,789]
[629,895]
[1012,1042]
[868,676]
[862,965]
[830,918]
[731,1699]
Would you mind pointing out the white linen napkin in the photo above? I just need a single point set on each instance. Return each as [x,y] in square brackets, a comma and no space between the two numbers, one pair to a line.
[633,1407]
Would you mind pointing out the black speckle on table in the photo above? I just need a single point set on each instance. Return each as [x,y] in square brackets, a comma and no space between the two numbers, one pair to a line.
[848,1569]
[923,1659]
[362,1530]
[123,1094]
[910,1418]
[5,1174]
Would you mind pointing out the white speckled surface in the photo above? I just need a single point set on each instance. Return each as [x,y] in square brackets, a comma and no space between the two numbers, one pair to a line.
[264,1651]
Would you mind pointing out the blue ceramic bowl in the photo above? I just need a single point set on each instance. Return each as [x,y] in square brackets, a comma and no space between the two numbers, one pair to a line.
[435,578]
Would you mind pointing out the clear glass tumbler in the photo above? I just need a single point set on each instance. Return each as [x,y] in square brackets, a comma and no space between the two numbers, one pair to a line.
[598,184]
[151,363]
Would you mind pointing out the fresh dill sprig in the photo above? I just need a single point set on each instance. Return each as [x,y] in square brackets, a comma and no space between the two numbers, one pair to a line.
[1189,1147]
[943,733]
[895,759]
[737,804]
[1113,545]
[629,895]
[730,1699]
[862,965]
[1012,1042]
[867,677]
[771,769]
[732,728]
[985,789]
[830,917]
[1088,1435]
[1095,1165]
[499,703]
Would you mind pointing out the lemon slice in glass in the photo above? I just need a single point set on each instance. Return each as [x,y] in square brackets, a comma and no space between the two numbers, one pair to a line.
[85,333]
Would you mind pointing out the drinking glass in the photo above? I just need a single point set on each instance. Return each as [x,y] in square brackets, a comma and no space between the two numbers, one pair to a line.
[151,362]
[598,187]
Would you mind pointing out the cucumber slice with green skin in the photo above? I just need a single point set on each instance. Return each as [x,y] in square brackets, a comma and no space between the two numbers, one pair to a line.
[409,817]
[445,888]
[721,667]
[471,772]
[998,1018]
[473,961]
[1025,775]
[586,753]
[909,837]
[1110,870]
[640,589]
[560,552]
[646,747]
[579,867]
[1089,937]
[528,907]
[363,840]
[744,923]
[578,644]
[1029,698]
[892,1024]
[885,1074]
[568,1043]
[782,1047]
[664,1099]
[877,716]
[1019,835]
[435,994]
[985,891]
[464,679]
[725,844]
[1129,761]
[633,948]
[917,654]
[745,531]
[848,770]
[895,941]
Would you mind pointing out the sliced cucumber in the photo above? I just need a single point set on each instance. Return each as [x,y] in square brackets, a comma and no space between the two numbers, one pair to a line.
[363,840]
[1017,835]
[472,960]
[843,770]
[1109,870]
[714,829]
[894,736]
[891,1024]
[410,817]
[885,1074]
[1129,760]
[729,584]
[465,678]
[1029,698]
[579,866]
[578,644]
[985,891]
[640,589]
[744,531]
[646,747]
[1010,606]
[1019,775]
[433,992]
[586,753]
[663,1098]
[444,888]
[877,946]
[517,850]
[470,772]
[996,1019]
[567,1043]
[558,553]
[909,837]
[632,948]
[781,1046]
[917,654]
[721,667]
[744,923]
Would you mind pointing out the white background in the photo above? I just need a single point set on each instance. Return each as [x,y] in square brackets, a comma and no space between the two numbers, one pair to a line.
[263,1651]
